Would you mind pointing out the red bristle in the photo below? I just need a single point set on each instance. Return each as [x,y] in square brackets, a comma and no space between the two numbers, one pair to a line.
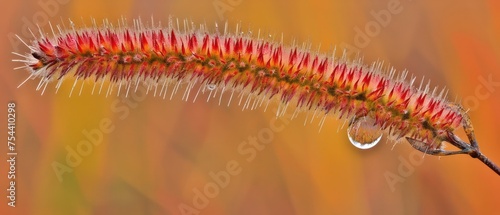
[173,40]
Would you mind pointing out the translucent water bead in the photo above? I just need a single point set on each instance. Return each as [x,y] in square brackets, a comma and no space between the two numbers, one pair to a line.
[363,134]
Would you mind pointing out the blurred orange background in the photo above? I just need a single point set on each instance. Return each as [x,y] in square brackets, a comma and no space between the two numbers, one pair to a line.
[161,152]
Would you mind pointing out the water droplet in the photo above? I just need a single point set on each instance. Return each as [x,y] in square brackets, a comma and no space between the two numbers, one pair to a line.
[211,86]
[363,133]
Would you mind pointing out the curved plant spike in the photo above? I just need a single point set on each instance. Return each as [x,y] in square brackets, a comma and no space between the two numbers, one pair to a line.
[471,148]
[259,69]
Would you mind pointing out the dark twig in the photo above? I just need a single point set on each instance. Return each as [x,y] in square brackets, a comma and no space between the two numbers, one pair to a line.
[489,163]
[471,149]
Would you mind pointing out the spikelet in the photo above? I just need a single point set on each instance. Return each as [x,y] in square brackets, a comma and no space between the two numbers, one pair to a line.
[238,63]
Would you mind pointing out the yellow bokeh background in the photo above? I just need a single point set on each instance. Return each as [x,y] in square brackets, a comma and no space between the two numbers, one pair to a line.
[159,151]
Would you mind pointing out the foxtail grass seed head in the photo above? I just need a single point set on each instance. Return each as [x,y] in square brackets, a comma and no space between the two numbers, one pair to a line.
[250,70]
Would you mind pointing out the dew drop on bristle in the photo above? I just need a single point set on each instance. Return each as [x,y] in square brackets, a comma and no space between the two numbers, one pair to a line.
[363,133]
[211,86]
